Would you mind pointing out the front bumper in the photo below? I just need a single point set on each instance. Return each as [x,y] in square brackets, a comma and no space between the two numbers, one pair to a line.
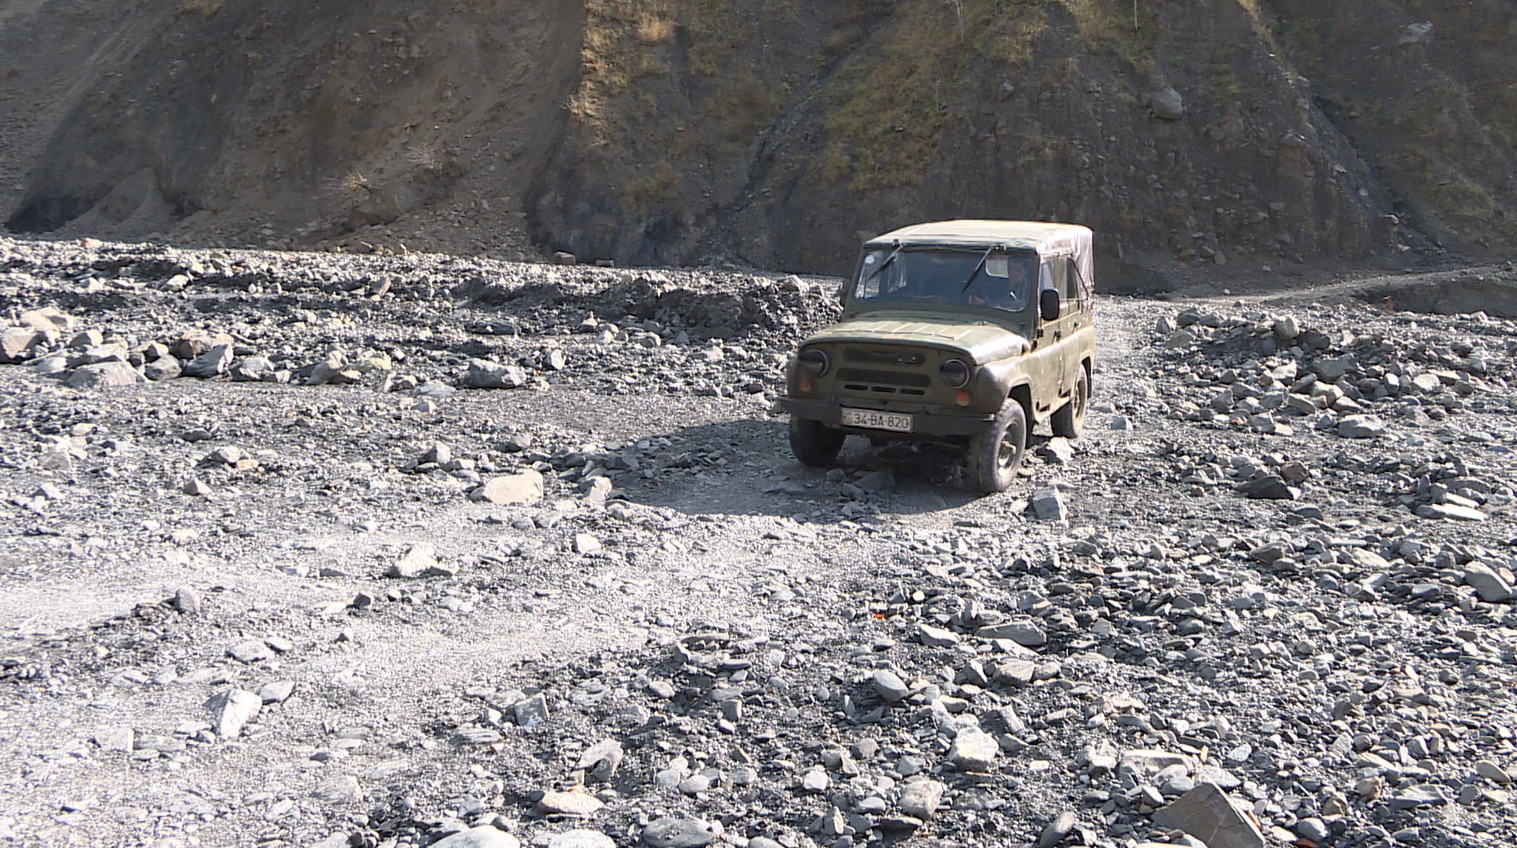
[923,423]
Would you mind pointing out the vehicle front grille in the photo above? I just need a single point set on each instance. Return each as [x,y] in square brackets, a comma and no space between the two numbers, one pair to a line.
[883,382]
[884,357]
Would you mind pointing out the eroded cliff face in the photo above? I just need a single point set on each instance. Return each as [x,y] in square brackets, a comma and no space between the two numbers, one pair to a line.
[285,123]
[767,133]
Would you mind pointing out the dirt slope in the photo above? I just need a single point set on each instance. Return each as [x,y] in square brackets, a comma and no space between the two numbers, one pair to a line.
[1241,133]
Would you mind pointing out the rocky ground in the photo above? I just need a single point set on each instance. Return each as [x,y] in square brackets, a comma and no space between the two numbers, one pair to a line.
[324,550]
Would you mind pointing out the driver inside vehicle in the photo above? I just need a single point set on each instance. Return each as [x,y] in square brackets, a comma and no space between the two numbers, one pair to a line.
[1004,283]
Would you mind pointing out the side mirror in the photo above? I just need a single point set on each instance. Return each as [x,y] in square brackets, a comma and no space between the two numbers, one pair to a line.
[843,294]
[1048,305]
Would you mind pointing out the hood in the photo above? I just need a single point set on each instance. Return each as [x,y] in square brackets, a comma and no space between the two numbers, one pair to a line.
[980,341]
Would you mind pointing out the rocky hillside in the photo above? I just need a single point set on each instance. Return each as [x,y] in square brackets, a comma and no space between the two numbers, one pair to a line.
[1239,133]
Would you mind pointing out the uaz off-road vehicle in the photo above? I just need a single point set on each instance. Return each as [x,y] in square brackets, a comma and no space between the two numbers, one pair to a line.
[959,332]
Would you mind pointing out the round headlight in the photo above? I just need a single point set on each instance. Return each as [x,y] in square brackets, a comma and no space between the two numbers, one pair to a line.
[814,362]
[955,373]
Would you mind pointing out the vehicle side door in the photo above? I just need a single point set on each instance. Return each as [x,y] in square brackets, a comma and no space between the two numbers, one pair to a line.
[1051,379]
[1076,319]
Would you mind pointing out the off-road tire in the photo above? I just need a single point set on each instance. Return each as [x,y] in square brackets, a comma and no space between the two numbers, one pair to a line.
[996,453]
[814,443]
[1069,420]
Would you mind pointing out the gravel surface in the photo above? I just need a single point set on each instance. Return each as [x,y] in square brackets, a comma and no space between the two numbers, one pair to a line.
[321,550]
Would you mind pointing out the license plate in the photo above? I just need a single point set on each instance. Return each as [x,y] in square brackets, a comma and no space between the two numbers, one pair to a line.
[877,420]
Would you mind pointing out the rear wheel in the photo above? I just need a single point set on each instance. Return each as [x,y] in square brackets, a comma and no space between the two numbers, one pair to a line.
[814,443]
[1069,421]
[996,453]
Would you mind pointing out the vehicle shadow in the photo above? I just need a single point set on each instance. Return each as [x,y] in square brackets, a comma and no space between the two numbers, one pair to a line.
[745,467]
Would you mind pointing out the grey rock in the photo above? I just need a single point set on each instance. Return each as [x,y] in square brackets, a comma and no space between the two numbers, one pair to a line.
[1166,104]
[48,319]
[597,490]
[1269,487]
[121,739]
[476,736]
[277,692]
[51,365]
[936,637]
[1058,450]
[524,487]
[484,836]
[1058,830]
[250,651]
[1361,427]
[531,712]
[571,802]
[187,601]
[1048,505]
[581,838]
[338,791]
[162,368]
[85,340]
[1487,583]
[105,353]
[103,375]
[231,710]
[416,561]
[921,798]
[1208,814]
[490,375]
[889,686]
[212,363]
[18,343]
[587,543]
[1416,34]
[677,833]
[1173,781]
[1024,633]
[1314,829]
[1418,795]
[876,481]
[438,453]
[1451,512]
[328,370]
[601,760]
[1489,770]
[1332,369]
[974,750]
[252,369]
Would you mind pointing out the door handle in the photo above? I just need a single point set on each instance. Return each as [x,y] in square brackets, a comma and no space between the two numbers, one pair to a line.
[1058,334]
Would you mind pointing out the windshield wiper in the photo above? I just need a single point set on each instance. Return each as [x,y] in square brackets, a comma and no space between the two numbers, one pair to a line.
[976,272]
[889,259]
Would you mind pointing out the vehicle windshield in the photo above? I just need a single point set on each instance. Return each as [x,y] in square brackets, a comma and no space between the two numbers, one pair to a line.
[1000,280]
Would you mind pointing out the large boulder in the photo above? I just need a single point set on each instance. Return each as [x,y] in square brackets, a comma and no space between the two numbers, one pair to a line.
[103,375]
[18,343]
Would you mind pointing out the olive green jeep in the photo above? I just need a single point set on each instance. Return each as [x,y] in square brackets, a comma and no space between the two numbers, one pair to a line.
[958,332]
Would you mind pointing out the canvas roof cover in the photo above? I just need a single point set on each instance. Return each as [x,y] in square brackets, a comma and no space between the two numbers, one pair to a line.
[1045,238]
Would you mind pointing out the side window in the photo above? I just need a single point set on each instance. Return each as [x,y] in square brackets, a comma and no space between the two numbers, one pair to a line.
[1069,282]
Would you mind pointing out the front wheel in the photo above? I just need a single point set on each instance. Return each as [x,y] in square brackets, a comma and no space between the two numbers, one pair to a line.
[996,453]
[1069,421]
[814,444]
